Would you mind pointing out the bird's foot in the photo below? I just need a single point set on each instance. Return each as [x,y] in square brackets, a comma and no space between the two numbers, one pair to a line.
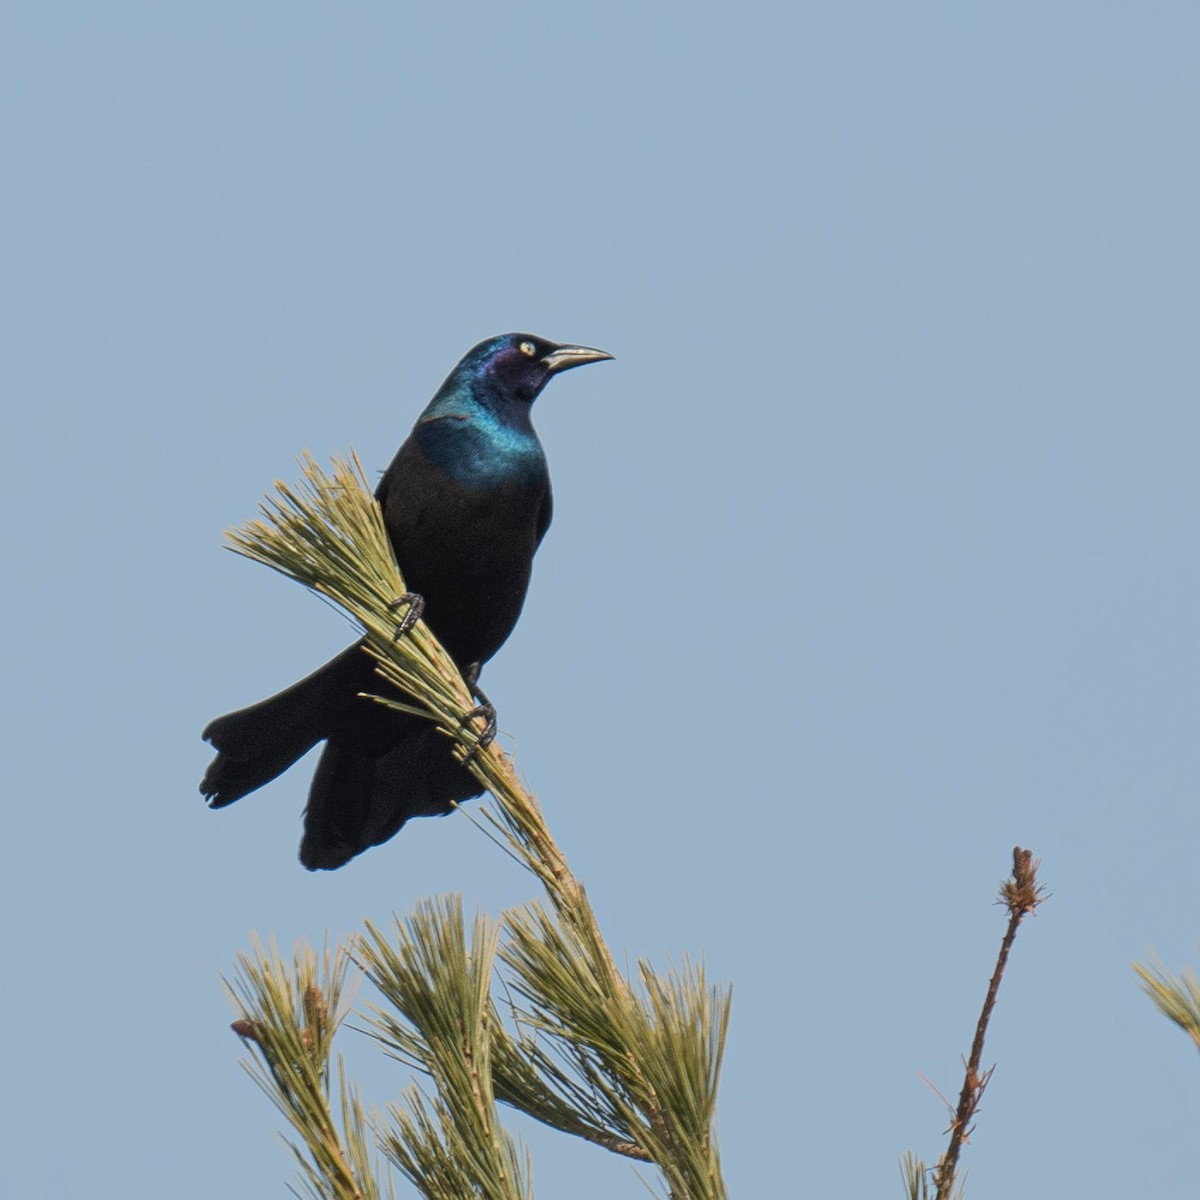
[416,606]
[484,709]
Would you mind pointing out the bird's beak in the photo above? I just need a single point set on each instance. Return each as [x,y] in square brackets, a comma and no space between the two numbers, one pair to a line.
[563,358]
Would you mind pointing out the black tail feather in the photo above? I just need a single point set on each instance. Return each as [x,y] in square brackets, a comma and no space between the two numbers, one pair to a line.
[379,767]
[257,743]
[359,800]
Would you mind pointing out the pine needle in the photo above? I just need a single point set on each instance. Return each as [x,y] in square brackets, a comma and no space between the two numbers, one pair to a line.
[1177,997]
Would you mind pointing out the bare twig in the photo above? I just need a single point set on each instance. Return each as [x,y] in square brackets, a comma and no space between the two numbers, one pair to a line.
[1021,895]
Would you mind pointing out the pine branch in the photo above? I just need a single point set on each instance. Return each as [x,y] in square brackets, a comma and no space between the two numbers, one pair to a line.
[634,1069]
[452,1145]
[289,1016]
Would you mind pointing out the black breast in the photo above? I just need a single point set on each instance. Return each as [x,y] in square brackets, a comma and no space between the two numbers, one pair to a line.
[468,551]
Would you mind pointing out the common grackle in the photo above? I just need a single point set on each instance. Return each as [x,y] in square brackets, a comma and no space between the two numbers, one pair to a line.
[466,502]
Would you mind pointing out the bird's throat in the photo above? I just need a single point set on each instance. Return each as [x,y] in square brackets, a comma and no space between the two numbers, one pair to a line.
[479,450]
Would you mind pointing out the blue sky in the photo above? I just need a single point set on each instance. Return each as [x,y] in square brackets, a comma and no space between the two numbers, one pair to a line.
[874,551]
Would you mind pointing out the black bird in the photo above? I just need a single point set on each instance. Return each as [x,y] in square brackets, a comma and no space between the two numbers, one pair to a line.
[466,502]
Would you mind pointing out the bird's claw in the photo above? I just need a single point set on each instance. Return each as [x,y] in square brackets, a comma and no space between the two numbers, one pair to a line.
[488,736]
[416,606]
[484,709]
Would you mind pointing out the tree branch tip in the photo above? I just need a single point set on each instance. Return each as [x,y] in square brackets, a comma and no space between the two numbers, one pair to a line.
[249,1031]
[1022,894]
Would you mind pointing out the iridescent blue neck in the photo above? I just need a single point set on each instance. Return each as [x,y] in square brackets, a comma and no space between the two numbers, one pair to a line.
[478,438]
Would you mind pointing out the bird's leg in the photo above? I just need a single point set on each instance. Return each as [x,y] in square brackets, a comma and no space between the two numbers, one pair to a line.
[483,708]
[416,606]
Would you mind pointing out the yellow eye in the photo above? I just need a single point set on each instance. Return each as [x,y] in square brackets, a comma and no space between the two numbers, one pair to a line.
[528,349]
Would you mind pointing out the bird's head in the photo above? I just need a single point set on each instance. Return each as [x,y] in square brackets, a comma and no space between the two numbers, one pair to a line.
[516,366]
[477,427]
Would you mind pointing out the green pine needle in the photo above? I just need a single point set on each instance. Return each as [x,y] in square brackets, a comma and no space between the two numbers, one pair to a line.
[1177,997]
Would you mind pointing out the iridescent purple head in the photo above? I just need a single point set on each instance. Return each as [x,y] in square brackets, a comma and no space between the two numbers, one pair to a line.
[518,365]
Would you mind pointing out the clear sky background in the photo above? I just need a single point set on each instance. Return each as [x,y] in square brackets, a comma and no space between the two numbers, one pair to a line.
[874,551]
